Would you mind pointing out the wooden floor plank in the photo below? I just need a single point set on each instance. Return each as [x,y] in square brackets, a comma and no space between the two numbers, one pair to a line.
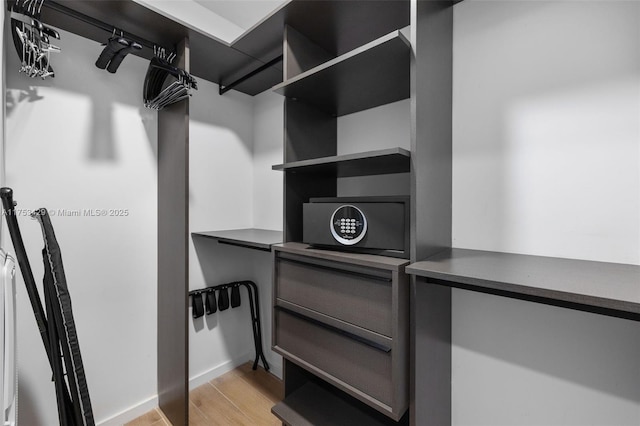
[152,418]
[216,408]
[241,397]
[248,399]
[196,417]
[268,384]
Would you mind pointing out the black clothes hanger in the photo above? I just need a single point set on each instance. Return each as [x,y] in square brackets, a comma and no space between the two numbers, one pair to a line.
[113,46]
[117,59]
[114,52]
[165,84]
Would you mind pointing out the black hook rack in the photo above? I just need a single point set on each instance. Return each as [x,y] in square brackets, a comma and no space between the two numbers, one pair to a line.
[198,309]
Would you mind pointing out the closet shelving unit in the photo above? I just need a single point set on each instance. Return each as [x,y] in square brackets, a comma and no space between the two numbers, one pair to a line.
[371,75]
[383,161]
[253,238]
[321,84]
[599,287]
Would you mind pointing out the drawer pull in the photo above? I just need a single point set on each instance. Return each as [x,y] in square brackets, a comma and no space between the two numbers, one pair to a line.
[352,336]
[341,271]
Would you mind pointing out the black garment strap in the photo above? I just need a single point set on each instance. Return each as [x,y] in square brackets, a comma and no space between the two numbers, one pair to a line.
[114,45]
[197,310]
[223,299]
[210,304]
[235,295]
[119,57]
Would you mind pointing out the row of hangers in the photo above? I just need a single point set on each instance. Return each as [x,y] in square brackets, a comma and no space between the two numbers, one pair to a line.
[31,38]
[164,83]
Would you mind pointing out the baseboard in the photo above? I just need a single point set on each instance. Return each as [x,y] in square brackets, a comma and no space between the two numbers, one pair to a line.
[219,370]
[195,381]
[131,413]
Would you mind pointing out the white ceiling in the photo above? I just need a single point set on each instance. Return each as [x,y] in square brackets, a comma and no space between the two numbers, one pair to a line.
[225,20]
[243,13]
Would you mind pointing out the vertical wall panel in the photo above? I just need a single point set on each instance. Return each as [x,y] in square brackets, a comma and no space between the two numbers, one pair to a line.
[173,279]
[431,97]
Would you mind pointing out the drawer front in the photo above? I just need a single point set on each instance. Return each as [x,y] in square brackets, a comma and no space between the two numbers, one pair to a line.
[355,297]
[364,367]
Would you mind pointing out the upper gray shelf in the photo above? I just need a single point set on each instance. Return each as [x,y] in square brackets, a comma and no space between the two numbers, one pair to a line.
[607,288]
[374,74]
[260,239]
[384,161]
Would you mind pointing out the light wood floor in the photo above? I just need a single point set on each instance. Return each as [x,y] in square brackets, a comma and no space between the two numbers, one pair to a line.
[239,397]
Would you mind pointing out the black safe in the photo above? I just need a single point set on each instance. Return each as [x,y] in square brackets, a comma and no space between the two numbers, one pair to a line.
[378,225]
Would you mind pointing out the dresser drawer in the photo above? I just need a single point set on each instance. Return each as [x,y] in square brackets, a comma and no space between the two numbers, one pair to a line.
[357,296]
[364,366]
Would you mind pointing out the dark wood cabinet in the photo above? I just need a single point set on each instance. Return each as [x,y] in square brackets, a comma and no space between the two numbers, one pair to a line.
[344,318]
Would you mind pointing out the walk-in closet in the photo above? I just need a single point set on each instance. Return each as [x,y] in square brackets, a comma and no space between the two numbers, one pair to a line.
[322,212]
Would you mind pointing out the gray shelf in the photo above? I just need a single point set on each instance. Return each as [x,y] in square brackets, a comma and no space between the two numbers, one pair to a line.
[367,260]
[606,288]
[384,161]
[311,405]
[260,239]
[371,75]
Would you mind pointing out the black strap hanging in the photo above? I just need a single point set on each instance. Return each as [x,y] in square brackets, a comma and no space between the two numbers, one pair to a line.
[223,304]
[235,295]
[210,301]
[223,299]
[197,310]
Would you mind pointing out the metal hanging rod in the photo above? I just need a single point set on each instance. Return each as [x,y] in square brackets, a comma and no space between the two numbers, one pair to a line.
[99,24]
[225,89]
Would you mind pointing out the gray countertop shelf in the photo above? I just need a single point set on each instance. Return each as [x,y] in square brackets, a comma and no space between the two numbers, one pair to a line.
[260,239]
[383,161]
[371,75]
[606,288]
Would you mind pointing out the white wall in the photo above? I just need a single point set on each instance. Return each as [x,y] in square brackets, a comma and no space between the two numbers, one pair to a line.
[546,145]
[234,141]
[268,204]
[268,139]
[84,141]
[220,197]
[386,126]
